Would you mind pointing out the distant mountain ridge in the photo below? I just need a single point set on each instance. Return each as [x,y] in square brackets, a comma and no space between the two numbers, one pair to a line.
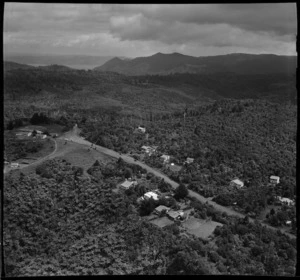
[164,64]
[10,65]
[73,61]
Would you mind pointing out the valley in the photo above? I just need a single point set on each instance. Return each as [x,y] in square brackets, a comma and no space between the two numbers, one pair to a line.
[180,138]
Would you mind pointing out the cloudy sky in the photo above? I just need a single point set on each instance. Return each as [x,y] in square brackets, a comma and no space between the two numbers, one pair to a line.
[145,29]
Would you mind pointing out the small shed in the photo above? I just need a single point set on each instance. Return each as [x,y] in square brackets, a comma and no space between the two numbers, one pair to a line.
[142,129]
[189,160]
[274,179]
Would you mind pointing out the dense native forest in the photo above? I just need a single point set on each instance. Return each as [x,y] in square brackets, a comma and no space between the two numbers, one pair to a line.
[59,222]
[63,220]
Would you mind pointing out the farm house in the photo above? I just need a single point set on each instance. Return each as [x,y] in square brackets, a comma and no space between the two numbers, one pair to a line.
[158,210]
[285,200]
[237,183]
[148,195]
[127,184]
[175,215]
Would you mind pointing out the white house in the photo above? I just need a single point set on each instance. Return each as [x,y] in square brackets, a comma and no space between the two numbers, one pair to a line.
[44,136]
[14,165]
[149,149]
[39,131]
[148,195]
[285,200]
[166,158]
[127,184]
[237,183]
[274,179]
[142,129]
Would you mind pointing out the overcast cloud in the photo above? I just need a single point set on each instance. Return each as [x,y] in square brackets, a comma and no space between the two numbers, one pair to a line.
[144,29]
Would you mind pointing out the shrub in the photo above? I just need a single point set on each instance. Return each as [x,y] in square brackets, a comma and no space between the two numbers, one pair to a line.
[213,256]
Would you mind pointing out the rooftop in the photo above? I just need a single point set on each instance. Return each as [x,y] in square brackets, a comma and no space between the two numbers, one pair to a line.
[126,184]
[151,194]
[161,208]
[237,181]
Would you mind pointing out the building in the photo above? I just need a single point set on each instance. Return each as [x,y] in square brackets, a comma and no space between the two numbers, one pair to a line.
[14,165]
[274,179]
[127,185]
[149,195]
[175,215]
[44,136]
[166,158]
[146,148]
[141,129]
[189,160]
[158,210]
[285,200]
[237,183]
[149,149]
[288,223]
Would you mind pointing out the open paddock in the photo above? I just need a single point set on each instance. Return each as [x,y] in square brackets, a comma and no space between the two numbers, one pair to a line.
[162,222]
[200,228]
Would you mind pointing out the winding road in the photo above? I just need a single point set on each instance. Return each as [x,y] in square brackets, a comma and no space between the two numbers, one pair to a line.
[74,136]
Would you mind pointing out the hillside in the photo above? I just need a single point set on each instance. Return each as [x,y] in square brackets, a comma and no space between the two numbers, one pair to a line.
[59,89]
[73,61]
[9,65]
[165,64]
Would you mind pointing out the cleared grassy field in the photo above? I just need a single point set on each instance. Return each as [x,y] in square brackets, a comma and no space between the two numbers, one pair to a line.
[162,222]
[79,155]
[200,228]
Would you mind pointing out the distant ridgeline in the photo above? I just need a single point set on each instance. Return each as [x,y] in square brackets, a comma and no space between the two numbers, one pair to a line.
[155,80]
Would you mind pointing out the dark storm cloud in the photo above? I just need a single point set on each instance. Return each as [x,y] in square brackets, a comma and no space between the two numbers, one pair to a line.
[277,19]
[143,29]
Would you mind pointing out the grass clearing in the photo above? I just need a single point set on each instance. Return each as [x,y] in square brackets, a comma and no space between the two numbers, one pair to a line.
[200,228]
[162,222]
[79,155]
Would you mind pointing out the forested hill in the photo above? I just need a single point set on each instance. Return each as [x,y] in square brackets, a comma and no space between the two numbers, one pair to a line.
[9,65]
[164,64]
[177,88]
